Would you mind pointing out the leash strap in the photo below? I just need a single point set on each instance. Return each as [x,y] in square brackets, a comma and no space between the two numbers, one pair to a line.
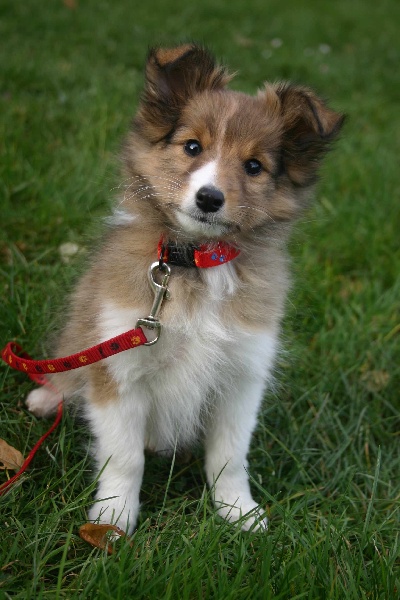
[202,256]
[32,453]
[17,359]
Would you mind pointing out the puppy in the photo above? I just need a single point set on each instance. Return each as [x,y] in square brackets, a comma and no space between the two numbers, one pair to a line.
[213,173]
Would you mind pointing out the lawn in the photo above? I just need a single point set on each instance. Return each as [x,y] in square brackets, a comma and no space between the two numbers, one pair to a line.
[325,458]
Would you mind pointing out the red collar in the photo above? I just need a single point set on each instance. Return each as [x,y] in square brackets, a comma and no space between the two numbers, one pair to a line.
[202,256]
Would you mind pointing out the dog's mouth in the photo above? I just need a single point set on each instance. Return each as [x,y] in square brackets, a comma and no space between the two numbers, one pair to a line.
[197,221]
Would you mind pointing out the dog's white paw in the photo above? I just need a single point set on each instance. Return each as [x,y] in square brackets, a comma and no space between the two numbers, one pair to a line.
[113,511]
[249,515]
[42,402]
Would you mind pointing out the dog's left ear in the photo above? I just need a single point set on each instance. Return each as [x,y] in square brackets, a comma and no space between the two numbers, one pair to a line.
[309,128]
[173,76]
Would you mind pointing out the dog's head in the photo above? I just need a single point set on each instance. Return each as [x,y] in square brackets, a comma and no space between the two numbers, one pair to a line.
[216,162]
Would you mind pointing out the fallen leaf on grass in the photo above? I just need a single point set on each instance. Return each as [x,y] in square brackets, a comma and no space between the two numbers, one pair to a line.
[10,457]
[96,535]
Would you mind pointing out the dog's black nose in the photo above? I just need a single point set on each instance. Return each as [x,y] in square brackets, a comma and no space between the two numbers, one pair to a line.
[209,199]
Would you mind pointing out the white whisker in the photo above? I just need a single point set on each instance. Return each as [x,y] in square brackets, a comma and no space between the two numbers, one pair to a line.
[261,210]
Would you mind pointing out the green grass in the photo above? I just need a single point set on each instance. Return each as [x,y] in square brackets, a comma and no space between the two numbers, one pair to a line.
[325,457]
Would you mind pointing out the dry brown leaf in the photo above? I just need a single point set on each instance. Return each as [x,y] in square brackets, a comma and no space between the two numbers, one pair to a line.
[96,535]
[10,457]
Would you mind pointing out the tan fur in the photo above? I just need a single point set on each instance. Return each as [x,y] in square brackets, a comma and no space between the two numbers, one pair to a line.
[170,55]
[103,387]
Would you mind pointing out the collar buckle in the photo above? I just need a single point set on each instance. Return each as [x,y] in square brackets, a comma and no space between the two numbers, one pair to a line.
[161,291]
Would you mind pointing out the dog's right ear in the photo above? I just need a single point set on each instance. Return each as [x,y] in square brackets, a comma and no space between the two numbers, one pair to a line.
[173,76]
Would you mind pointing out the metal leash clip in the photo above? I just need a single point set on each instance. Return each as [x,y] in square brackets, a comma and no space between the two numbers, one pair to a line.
[161,291]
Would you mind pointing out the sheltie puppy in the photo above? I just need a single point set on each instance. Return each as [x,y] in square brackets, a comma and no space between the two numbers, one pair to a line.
[205,168]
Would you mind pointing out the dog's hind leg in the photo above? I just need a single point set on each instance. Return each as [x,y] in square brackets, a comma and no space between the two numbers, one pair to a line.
[43,401]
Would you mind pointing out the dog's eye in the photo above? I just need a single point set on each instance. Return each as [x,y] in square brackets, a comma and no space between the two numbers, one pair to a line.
[193,148]
[253,167]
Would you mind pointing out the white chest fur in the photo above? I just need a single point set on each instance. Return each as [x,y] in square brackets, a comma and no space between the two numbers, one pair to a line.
[198,362]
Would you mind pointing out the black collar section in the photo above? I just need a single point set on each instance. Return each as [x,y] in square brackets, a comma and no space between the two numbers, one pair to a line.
[180,256]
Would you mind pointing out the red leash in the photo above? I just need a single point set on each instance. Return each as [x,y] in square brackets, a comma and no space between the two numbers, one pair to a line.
[32,453]
[16,358]
[36,370]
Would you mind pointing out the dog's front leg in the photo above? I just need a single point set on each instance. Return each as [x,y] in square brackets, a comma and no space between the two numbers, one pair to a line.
[227,444]
[119,427]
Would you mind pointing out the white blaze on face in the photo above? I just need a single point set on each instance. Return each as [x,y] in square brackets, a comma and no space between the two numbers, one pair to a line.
[190,213]
[206,176]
